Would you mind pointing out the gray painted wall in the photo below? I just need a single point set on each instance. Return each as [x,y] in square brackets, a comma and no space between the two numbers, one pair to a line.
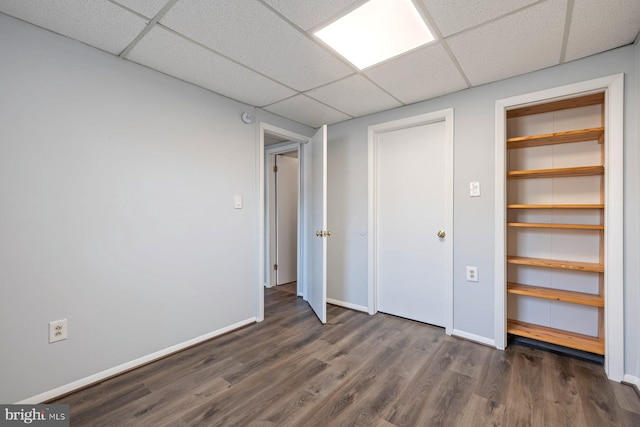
[116,210]
[474,138]
[116,205]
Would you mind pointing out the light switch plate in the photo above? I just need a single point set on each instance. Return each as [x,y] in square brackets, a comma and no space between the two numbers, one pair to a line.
[237,202]
[474,189]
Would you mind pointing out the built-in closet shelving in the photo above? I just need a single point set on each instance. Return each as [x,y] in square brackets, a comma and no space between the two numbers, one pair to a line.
[555,222]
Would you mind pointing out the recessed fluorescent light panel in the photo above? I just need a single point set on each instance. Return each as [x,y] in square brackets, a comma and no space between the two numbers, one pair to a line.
[376,31]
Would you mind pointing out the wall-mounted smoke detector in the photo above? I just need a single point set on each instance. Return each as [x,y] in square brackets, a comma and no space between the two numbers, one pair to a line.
[247,118]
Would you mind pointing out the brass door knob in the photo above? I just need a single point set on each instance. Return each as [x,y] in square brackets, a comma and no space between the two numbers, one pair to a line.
[441,234]
[318,233]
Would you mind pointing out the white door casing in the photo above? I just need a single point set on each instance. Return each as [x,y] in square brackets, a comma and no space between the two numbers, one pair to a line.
[613,223]
[411,235]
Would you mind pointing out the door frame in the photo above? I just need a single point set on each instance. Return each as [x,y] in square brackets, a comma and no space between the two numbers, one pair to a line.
[270,225]
[373,139]
[303,190]
[613,86]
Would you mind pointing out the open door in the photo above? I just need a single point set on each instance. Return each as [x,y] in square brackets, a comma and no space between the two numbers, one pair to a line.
[286,217]
[317,230]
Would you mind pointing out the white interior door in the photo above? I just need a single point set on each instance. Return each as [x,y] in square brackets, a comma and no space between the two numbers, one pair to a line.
[317,238]
[286,219]
[411,208]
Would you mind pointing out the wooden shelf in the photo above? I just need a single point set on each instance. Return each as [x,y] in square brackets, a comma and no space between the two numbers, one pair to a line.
[560,226]
[556,294]
[556,138]
[556,206]
[553,263]
[556,336]
[557,172]
[593,138]
[565,104]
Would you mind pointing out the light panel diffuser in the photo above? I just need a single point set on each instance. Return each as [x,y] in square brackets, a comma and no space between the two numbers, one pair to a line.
[376,31]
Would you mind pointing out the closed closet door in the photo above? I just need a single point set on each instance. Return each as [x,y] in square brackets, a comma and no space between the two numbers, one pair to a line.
[410,212]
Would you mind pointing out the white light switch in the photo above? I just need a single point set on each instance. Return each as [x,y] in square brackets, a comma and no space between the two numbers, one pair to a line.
[237,202]
[474,189]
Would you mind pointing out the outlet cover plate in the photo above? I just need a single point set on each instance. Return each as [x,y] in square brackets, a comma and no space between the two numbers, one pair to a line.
[474,189]
[57,330]
[472,274]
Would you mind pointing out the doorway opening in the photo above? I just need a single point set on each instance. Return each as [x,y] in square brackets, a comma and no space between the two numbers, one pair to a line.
[312,214]
[283,206]
[613,197]
[282,217]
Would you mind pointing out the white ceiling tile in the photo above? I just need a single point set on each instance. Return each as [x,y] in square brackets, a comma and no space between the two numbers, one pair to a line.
[307,111]
[522,36]
[422,74]
[512,45]
[354,95]
[98,23]
[453,16]
[308,14]
[148,8]
[171,54]
[598,25]
[252,34]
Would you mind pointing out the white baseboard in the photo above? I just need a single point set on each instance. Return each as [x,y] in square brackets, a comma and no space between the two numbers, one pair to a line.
[631,380]
[100,376]
[347,305]
[473,337]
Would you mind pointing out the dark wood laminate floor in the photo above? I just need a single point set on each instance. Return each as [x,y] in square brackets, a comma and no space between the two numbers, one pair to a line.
[358,370]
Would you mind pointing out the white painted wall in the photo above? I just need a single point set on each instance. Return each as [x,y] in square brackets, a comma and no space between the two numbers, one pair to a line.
[473,217]
[116,210]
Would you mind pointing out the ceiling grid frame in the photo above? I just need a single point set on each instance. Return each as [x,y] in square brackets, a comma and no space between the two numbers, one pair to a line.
[197,43]
[375,90]
[148,28]
[439,37]
[567,29]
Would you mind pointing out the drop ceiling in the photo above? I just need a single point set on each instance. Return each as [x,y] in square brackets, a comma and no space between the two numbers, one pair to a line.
[264,53]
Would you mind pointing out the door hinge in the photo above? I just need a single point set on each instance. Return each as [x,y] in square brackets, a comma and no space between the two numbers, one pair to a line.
[275,168]
[275,266]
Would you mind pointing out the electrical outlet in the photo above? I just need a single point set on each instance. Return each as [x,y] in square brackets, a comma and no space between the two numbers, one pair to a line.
[57,330]
[472,274]
[474,189]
